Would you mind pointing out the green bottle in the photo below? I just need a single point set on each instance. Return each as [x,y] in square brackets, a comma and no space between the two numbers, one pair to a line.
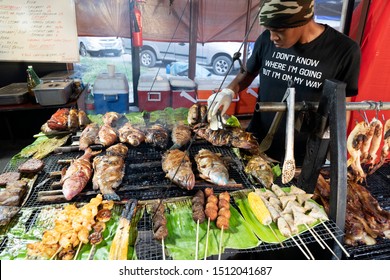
[32,80]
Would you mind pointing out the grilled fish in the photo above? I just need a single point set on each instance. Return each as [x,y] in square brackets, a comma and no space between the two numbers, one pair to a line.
[88,135]
[107,135]
[157,135]
[109,172]
[119,149]
[211,167]
[260,170]
[130,134]
[177,166]
[196,114]
[7,213]
[110,118]
[59,120]
[230,136]
[181,135]
[78,174]
[83,119]
[73,120]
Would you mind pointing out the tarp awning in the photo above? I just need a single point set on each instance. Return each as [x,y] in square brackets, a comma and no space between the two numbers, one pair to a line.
[167,20]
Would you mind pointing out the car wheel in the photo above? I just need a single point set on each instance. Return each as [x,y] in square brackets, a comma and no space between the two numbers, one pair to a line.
[83,51]
[221,65]
[147,58]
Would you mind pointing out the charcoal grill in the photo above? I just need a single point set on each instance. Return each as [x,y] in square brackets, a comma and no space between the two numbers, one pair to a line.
[144,183]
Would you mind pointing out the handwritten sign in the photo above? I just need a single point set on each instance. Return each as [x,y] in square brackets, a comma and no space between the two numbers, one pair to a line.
[38,30]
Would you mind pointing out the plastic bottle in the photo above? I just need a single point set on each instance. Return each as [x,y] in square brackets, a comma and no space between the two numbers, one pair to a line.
[90,102]
[32,80]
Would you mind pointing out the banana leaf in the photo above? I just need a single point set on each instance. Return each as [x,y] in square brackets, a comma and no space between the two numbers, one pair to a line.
[135,118]
[263,232]
[181,239]
[18,234]
[41,147]
[169,116]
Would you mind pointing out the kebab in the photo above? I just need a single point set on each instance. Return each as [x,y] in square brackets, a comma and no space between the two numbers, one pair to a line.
[211,212]
[198,215]
[160,231]
[223,216]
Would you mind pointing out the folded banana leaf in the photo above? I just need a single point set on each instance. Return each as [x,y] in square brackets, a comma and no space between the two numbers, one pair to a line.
[181,239]
[263,232]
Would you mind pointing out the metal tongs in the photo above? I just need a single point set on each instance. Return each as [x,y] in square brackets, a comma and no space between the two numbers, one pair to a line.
[288,169]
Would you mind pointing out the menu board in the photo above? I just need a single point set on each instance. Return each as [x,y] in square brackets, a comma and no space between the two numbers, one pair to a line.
[38,30]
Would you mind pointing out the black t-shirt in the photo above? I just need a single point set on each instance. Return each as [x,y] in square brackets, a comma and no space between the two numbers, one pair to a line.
[332,55]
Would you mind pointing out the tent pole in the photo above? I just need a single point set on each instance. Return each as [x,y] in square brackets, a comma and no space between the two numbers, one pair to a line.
[135,64]
[193,36]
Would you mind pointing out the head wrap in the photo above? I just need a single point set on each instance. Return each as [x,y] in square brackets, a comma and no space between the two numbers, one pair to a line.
[286,13]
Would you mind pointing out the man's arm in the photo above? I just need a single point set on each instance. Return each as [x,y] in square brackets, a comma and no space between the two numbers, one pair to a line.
[242,81]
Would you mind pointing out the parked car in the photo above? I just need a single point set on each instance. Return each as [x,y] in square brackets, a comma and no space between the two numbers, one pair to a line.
[216,55]
[99,46]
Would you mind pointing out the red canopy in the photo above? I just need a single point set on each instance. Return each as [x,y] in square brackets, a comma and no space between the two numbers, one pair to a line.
[218,20]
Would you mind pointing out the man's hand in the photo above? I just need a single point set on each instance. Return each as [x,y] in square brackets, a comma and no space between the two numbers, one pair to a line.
[220,100]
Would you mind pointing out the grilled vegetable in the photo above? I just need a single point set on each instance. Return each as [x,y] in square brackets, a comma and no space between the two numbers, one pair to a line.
[259,209]
[120,244]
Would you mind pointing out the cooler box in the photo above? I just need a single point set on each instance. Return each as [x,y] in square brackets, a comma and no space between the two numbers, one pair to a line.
[111,93]
[248,98]
[207,86]
[154,93]
[183,91]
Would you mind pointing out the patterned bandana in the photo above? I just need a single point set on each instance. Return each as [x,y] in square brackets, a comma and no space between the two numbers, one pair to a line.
[286,13]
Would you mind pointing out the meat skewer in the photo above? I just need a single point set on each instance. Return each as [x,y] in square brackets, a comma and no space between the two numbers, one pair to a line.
[223,217]
[321,241]
[198,215]
[160,231]
[210,212]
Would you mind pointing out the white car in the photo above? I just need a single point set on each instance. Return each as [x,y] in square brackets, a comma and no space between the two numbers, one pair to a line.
[217,55]
[99,46]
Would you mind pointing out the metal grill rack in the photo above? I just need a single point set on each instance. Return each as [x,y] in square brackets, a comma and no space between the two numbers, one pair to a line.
[154,185]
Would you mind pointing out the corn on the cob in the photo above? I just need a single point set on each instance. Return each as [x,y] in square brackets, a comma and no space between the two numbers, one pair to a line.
[259,209]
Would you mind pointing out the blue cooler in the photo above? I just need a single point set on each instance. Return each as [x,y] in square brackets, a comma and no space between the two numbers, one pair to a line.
[111,93]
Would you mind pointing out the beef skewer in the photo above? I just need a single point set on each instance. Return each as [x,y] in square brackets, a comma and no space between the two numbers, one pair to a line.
[198,215]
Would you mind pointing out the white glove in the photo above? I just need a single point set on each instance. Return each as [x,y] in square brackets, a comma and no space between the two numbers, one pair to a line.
[219,100]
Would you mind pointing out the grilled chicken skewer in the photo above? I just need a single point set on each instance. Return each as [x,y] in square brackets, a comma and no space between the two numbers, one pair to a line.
[288,169]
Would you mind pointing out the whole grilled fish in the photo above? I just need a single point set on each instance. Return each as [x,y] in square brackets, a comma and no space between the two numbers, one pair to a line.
[181,135]
[83,119]
[211,167]
[77,175]
[7,213]
[107,135]
[196,114]
[88,135]
[59,120]
[230,136]
[108,175]
[130,134]
[178,168]
[157,135]
[73,120]
[110,118]
[119,149]
[260,170]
